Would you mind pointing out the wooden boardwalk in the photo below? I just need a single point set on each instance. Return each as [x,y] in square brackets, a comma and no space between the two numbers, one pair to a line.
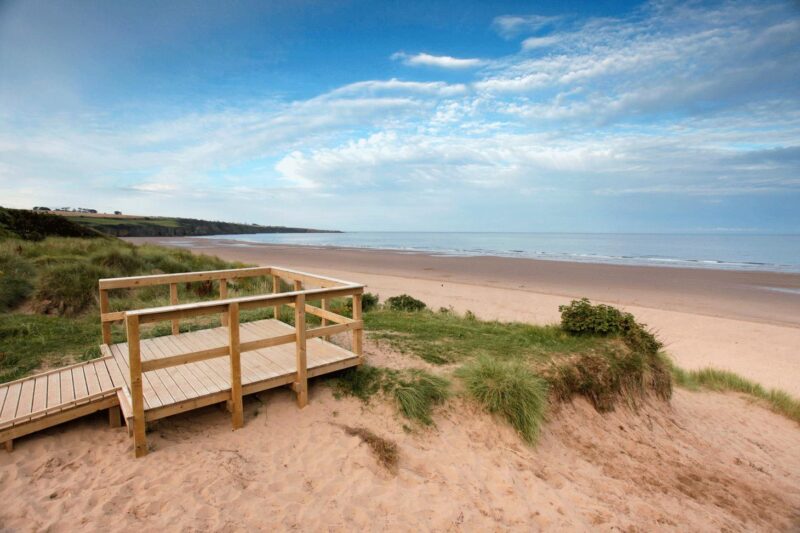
[145,379]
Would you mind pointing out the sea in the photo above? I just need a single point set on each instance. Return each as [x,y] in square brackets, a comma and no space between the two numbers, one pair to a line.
[776,253]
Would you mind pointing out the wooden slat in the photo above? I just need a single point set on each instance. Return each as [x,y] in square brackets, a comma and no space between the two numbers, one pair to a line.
[181,359]
[120,353]
[39,394]
[3,396]
[115,316]
[189,370]
[106,383]
[53,389]
[333,330]
[25,398]
[92,382]
[79,382]
[205,372]
[12,400]
[67,388]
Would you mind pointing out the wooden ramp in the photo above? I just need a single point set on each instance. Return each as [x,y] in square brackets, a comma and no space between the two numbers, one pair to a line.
[44,400]
[175,389]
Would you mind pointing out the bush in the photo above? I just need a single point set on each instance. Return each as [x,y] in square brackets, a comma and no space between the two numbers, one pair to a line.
[406,303]
[16,275]
[369,302]
[581,317]
[68,288]
[510,390]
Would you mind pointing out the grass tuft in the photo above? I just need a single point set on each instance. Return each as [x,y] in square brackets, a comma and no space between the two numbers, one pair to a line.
[416,392]
[509,389]
[419,393]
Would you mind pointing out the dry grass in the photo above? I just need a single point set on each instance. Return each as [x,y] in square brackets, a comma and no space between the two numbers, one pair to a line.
[384,450]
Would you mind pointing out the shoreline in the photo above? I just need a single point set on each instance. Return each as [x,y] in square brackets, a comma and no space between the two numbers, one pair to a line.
[760,296]
[716,318]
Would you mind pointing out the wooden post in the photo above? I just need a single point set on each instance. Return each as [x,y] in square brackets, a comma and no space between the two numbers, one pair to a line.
[325,320]
[105,308]
[173,299]
[137,393]
[276,288]
[223,293]
[301,385]
[358,334]
[237,414]
[9,445]
[114,418]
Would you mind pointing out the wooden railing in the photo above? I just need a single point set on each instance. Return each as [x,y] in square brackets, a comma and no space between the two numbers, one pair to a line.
[229,309]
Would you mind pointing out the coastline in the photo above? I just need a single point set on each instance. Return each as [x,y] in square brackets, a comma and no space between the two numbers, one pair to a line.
[721,318]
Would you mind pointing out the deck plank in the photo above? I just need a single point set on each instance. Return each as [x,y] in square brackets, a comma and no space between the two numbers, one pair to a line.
[106,383]
[205,376]
[25,398]
[161,349]
[12,401]
[79,382]
[158,391]
[3,396]
[150,398]
[67,389]
[92,383]
[53,389]
[39,394]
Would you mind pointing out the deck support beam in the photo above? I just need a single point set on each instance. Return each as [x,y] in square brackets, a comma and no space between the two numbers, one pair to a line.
[137,393]
[114,417]
[358,333]
[9,445]
[301,384]
[173,299]
[237,412]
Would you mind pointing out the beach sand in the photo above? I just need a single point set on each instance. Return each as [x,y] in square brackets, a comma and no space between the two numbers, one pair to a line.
[702,462]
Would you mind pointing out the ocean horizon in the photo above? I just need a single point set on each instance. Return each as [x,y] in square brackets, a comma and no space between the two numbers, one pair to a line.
[747,252]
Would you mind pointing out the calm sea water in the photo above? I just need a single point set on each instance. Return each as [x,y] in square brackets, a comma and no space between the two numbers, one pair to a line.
[779,253]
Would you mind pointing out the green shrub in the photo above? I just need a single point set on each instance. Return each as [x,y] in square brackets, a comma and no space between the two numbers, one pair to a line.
[16,277]
[508,389]
[68,288]
[369,302]
[581,317]
[406,303]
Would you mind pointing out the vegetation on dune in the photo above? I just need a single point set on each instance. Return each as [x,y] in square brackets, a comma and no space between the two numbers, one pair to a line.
[56,278]
[415,392]
[713,379]
[509,389]
[404,302]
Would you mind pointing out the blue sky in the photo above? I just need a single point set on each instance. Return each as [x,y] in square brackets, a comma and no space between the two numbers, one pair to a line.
[465,116]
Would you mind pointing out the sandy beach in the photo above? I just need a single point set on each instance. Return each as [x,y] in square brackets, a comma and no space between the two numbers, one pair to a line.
[747,322]
[701,462]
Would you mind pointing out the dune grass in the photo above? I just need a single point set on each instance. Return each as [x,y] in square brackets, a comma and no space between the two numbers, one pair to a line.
[415,392]
[384,450]
[713,379]
[509,389]
[447,337]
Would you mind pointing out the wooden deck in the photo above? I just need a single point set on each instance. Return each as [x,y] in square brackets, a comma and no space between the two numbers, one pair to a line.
[180,388]
[145,379]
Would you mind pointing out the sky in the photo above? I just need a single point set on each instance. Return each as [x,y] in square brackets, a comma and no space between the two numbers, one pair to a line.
[582,116]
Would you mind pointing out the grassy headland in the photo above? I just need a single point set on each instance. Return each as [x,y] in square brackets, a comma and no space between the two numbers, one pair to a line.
[128,226]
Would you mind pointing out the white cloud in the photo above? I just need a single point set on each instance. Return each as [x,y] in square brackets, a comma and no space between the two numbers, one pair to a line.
[532,43]
[510,26]
[428,60]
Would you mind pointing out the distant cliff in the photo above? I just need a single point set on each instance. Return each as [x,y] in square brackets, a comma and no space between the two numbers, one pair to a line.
[129,226]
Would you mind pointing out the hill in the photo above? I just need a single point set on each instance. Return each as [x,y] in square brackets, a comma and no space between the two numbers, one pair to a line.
[35,226]
[141,226]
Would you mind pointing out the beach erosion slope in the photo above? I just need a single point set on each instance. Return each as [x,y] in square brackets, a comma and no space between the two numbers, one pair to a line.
[745,322]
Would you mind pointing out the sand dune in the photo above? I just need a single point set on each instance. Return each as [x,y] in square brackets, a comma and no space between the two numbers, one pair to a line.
[705,462]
